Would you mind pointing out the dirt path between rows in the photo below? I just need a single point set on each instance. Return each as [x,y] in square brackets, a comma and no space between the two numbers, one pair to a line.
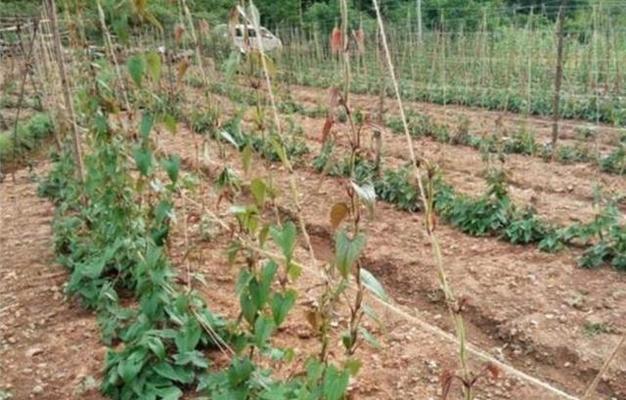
[49,347]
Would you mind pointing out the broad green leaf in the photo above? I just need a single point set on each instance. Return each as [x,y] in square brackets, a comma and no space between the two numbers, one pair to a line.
[156,346]
[279,148]
[137,68]
[170,123]
[373,284]
[145,127]
[276,392]
[263,329]
[259,190]
[188,336]
[347,252]
[143,159]
[285,238]
[169,393]
[261,291]
[240,371]
[335,383]
[353,365]
[248,307]
[281,305]
[294,271]
[172,167]
[165,370]
[153,59]
[129,367]
[347,340]
[194,357]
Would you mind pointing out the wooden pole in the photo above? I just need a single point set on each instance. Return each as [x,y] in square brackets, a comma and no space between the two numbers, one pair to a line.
[419,21]
[558,78]
[65,86]
[25,72]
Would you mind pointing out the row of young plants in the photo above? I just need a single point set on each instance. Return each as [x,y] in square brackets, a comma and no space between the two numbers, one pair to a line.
[520,142]
[606,109]
[491,214]
[494,213]
[420,125]
[30,133]
[112,232]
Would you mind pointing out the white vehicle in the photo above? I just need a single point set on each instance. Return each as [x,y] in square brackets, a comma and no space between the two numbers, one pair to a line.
[244,37]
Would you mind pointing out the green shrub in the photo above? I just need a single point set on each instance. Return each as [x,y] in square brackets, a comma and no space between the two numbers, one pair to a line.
[395,187]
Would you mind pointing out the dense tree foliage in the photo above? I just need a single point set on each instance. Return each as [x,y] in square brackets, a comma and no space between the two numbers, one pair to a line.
[324,14]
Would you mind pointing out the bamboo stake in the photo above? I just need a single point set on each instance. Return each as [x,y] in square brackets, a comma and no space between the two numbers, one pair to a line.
[65,85]
[558,79]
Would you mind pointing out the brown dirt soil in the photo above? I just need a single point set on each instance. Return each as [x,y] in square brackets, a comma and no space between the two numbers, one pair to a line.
[49,347]
[527,307]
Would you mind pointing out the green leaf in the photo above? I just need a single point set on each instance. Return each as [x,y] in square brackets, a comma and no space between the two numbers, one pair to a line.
[153,59]
[156,346]
[137,68]
[143,159]
[263,329]
[194,357]
[246,158]
[353,365]
[240,370]
[188,337]
[294,271]
[248,307]
[145,127]
[347,252]
[172,167]
[373,284]
[166,370]
[281,305]
[229,138]
[259,190]
[335,383]
[285,238]
[170,123]
[280,150]
[261,291]
[169,393]
[369,338]
[129,367]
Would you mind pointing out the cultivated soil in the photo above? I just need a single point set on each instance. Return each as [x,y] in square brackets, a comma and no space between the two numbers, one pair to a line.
[49,347]
[525,308]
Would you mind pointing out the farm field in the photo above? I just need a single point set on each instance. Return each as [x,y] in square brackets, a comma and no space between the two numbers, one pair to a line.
[319,222]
